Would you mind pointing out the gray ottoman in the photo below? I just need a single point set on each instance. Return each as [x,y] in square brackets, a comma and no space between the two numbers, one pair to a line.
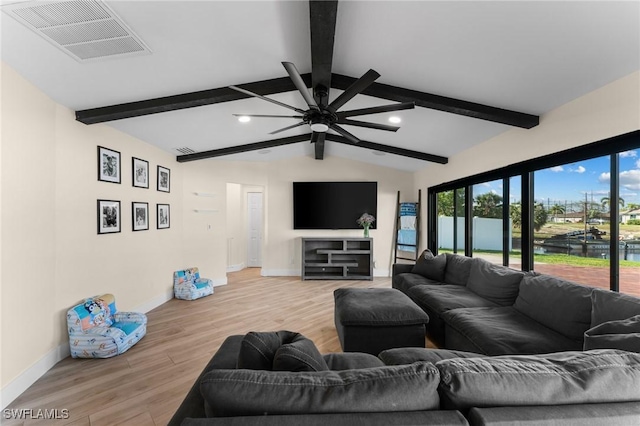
[372,320]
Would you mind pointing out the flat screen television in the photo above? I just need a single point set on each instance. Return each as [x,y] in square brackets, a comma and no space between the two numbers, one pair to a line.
[333,205]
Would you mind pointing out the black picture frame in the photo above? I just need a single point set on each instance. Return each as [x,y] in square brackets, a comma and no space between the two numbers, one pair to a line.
[164,179]
[109,217]
[139,173]
[108,165]
[163,216]
[139,216]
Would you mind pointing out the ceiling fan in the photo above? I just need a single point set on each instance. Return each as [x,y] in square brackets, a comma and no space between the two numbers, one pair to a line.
[322,116]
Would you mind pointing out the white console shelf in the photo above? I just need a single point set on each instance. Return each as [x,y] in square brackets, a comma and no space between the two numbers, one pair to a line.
[337,258]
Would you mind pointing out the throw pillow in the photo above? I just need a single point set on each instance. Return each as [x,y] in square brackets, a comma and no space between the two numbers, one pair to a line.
[430,266]
[598,376]
[382,389]
[258,349]
[496,283]
[458,269]
[299,355]
[623,334]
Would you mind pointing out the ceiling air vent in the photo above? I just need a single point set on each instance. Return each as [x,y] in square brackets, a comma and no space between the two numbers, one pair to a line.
[185,150]
[87,30]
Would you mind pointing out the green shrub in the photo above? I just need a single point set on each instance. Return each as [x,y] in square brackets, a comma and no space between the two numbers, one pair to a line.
[633,222]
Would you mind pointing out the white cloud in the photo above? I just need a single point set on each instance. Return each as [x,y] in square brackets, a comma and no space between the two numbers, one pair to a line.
[638,164]
[627,154]
[580,169]
[604,177]
[557,169]
[630,179]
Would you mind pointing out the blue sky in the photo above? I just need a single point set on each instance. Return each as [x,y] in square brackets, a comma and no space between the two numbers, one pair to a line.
[570,182]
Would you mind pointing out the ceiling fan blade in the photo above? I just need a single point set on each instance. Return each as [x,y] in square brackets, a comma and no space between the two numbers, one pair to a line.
[288,127]
[322,25]
[273,101]
[358,86]
[368,125]
[344,133]
[376,110]
[299,83]
[268,116]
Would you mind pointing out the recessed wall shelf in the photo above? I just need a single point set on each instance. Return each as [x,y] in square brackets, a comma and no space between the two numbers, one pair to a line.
[206,210]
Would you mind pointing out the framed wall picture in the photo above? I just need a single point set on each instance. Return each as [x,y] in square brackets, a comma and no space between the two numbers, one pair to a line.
[164,179]
[163,216]
[140,172]
[108,165]
[108,216]
[140,216]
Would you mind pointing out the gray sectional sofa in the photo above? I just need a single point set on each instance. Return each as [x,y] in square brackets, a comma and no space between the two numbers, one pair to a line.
[480,307]
[280,378]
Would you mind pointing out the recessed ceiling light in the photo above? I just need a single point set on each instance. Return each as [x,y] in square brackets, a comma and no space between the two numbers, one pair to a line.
[244,119]
[377,153]
[395,119]
[264,151]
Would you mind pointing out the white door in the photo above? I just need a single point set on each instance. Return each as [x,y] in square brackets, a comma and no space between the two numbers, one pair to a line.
[254,203]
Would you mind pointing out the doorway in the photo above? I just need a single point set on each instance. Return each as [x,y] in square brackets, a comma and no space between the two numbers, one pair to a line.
[254,244]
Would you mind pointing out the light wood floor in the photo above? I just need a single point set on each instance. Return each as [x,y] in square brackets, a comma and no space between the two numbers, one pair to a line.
[145,385]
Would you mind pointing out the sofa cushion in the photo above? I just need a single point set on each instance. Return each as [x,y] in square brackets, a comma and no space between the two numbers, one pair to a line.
[623,334]
[299,355]
[445,297]
[404,282]
[598,376]
[351,360]
[403,356]
[389,388]
[430,266]
[561,305]
[612,306]
[376,307]
[496,283]
[458,269]
[258,349]
[500,331]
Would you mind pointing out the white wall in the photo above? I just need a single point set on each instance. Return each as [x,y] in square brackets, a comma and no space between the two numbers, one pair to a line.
[52,254]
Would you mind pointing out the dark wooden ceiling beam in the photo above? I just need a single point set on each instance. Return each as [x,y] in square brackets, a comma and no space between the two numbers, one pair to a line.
[186,100]
[389,149]
[243,148]
[284,84]
[441,103]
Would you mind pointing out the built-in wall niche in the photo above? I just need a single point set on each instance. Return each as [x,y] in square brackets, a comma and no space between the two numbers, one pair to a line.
[206,195]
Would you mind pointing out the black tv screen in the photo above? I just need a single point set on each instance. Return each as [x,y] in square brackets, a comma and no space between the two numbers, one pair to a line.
[333,205]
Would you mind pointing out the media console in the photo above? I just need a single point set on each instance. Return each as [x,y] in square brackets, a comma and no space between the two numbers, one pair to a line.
[337,258]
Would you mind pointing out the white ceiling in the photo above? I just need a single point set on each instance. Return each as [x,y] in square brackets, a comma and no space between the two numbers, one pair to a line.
[529,57]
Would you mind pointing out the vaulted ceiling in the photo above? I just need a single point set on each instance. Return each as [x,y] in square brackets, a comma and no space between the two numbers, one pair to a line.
[473,69]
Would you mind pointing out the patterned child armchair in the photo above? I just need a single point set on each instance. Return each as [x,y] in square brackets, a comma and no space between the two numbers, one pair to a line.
[98,330]
[188,285]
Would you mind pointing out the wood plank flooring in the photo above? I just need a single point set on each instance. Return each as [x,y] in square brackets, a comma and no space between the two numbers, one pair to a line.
[145,385]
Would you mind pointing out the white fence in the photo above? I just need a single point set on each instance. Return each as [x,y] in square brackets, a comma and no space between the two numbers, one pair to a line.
[487,233]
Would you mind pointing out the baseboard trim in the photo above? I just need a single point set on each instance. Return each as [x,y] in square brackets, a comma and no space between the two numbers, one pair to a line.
[21,383]
[236,267]
[219,281]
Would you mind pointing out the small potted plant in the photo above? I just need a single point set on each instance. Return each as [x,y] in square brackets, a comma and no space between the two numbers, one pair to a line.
[365,221]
